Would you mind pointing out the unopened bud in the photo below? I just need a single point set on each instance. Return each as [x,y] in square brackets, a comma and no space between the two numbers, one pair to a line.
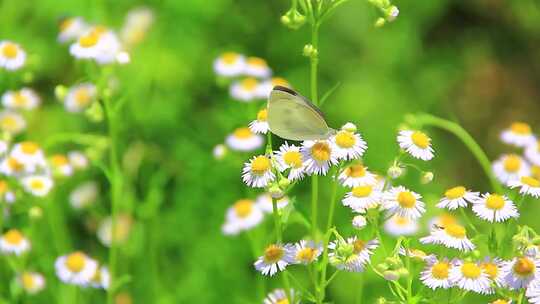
[380,22]
[35,212]
[310,51]
[94,112]
[403,272]
[394,262]
[382,267]
[284,182]
[293,19]
[391,13]
[220,151]
[359,222]
[349,127]
[391,275]
[275,191]
[381,301]
[427,177]
[395,171]
[60,92]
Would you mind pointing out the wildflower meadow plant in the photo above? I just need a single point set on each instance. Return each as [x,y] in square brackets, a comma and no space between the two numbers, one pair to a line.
[474,246]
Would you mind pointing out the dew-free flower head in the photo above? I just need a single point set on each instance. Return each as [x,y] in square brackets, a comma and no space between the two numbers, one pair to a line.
[257,67]
[495,208]
[357,175]
[319,155]
[518,134]
[456,197]
[275,258]
[399,225]
[242,139]
[12,56]
[71,28]
[257,172]
[79,97]
[470,276]
[289,157]
[38,185]
[76,268]
[451,236]
[306,252]
[348,145]
[31,282]
[230,64]
[403,202]
[260,125]
[244,90]
[14,242]
[23,99]
[510,167]
[436,273]
[521,270]
[416,143]
[362,198]
[243,215]
[12,122]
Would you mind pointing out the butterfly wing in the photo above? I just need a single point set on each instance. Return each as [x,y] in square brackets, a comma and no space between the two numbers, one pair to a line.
[291,116]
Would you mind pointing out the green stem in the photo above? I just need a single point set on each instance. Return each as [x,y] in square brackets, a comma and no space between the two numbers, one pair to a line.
[277,221]
[468,220]
[467,139]
[314,205]
[314,61]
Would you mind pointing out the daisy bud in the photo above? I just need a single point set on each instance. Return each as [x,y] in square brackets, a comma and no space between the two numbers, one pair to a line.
[395,171]
[382,267]
[359,222]
[349,127]
[381,301]
[310,51]
[293,19]
[94,112]
[284,182]
[35,213]
[427,177]
[380,22]
[520,241]
[391,13]
[391,275]
[275,191]
[60,92]
[403,272]
[394,262]
[220,151]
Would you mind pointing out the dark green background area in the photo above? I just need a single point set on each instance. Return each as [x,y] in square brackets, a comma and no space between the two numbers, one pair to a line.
[474,62]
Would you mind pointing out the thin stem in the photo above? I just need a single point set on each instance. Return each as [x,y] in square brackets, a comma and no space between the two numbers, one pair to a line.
[314,61]
[467,139]
[277,221]
[468,220]
[314,205]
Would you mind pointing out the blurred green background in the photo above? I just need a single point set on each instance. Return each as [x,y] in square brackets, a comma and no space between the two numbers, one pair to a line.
[475,62]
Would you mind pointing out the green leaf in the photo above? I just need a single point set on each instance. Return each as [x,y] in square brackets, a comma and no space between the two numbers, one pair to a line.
[328,93]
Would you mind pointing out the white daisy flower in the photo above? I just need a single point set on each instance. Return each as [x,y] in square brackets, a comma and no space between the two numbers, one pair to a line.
[527,185]
[265,87]
[532,293]
[318,155]
[101,278]
[348,145]
[260,125]
[75,268]
[23,99]
[14,242]
[359,222]
[279,296]
[351,255]
[276,257]
[111,49]
[416,143]
[403,202]
[257,67]
[510,167]
[78,160]
[219,151]
[38,185]
[257,173]
[123,225]
[89,45]
[31,282]
[84,195]
[244,90]
[494,208]
[518,134]
[136,25]
[290,157]
[230,64]
[12,56]
[532,153]
[30,154]
[61,166]
[71,29]
[450,236]
[362,198]
[4,146]
[357,175]
[12,122]
[436,273]
[493,268]
[521,271]
[503,301]
[79,97]
[243,215]
[264,202]
[306,252]
[470,276]
[242,139]
[442,220]
[457,197]
[399,225]
[12,166]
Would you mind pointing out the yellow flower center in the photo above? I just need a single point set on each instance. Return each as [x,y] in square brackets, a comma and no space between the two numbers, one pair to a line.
[10,50]
[355,171]
[13,236]
[59,160]
[293,159]
[76,261]
[249,84]
[406,199]
[29,147]
[401,221]
[471,270]
[455,230]
[491,269]
[229,57]
[440,270]
[27,280]
[260,165]
[456,192]
[19,99]
[90,39]
[524,266]
[446,219]
[362,191]
[15,165]
[9,122]
[420,139]
[283,301]
[530,181]
[65,24]
[512,163]
[278,81]
[37,184]
[82,96]
[520,128]
[256,61]
[345,139]
[243,208]
[306,255]
[536,172]
[321,151]
[243,133]
[499,301]
[495,202]
[3,187]
[273,254]
[358,246]
[262,115]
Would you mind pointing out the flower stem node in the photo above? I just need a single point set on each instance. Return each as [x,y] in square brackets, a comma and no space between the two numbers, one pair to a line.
[310,51]
[275,191]
[427,177]
[403,272]
[293,19]
[394,262]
